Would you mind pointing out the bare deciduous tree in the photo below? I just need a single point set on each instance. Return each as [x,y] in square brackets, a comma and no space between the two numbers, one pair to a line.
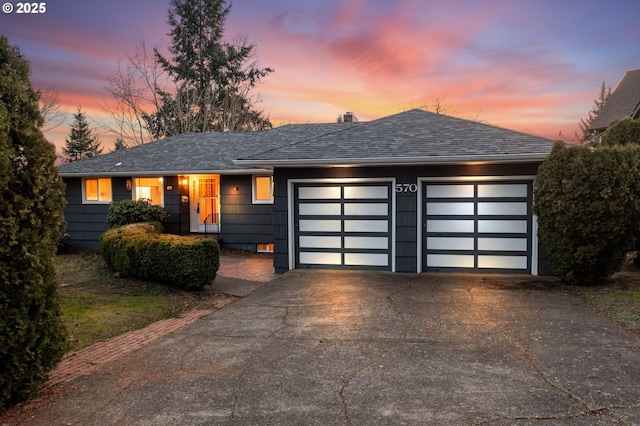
[134,89]
[438,105]
[50,109]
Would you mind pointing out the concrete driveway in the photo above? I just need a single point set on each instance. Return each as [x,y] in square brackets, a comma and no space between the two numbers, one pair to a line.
[370,348]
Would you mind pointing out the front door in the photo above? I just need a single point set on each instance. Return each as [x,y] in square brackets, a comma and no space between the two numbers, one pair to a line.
[205,203]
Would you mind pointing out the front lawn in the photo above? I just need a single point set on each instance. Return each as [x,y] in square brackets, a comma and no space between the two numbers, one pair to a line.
[618,297]
[97,306]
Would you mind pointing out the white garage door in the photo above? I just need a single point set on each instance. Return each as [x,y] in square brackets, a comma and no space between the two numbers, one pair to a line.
[477,226]
[343,226]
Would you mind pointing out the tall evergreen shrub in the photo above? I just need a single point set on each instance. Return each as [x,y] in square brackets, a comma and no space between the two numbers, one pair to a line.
[31,202]
[587,203]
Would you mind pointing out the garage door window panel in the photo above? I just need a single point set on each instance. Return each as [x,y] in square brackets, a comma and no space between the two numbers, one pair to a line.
[366,209]
[319,193]
[320,225]
[381,243]
[502,209]
[320,242]
[364,192]
[320,209]
[320,258]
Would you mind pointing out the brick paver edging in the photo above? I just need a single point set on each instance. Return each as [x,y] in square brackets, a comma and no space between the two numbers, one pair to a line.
[86,360]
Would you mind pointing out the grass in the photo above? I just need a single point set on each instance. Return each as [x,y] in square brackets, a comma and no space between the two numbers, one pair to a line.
[618,297]
[97,306]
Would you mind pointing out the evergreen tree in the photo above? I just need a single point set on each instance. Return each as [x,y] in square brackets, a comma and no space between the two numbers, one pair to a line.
[81,143]
[31,201]
[622,132]
[119,144]
[586,137]
[213,77]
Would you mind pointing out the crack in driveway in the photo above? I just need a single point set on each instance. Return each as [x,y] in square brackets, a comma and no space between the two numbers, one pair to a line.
[529,358]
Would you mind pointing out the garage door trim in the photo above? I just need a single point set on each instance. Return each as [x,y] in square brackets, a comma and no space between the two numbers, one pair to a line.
[291,185]
[471,179]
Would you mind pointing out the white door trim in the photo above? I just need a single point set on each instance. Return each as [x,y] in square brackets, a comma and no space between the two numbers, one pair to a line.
[419,201]
[290,207]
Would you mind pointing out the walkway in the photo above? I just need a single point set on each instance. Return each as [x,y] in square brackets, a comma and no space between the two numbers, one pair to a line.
[256,268]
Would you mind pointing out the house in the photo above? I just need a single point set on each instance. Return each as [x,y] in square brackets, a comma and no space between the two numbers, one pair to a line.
[192,176]
[623,102]
[411,192]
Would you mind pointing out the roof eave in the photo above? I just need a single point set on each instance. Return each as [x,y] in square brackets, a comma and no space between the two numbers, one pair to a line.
[403,161]
[152,173]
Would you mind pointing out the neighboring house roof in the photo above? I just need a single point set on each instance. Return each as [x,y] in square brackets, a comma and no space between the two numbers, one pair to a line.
[623,102]
[411,137]
[194,153]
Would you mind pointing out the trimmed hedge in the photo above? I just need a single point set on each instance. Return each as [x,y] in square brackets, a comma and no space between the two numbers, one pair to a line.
[140,250]
[588,207]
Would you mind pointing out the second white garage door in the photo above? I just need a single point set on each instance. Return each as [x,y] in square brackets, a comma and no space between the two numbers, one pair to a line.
[343,226]
[484,226]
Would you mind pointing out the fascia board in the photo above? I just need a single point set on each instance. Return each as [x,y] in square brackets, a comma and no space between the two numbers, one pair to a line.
[406,161]
[153,173]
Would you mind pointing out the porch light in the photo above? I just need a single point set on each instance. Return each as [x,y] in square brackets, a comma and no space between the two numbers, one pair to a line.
[128,184]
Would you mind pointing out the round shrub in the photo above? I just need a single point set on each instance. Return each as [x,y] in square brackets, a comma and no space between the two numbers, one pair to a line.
[126,212]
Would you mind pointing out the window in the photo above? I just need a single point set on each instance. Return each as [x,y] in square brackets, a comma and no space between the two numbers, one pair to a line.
[265,248]
[97,190]
[263,189]
[149,189]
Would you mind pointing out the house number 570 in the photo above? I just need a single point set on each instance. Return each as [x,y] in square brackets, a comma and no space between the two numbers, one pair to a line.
[406,187]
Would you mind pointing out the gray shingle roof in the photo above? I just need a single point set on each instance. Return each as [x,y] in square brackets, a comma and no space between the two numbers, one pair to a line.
[623,102]
[194,152]
[411,137]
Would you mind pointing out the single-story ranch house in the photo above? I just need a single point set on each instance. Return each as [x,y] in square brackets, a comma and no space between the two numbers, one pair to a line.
[410,192]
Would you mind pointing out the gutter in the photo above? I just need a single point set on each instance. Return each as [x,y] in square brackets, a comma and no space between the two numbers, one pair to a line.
[164,173]
[398,161]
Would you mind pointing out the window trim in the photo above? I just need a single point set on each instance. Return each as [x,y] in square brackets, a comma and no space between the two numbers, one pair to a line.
[98,179]
[254,191]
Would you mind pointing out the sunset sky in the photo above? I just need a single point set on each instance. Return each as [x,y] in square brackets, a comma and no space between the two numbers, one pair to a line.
[529,65]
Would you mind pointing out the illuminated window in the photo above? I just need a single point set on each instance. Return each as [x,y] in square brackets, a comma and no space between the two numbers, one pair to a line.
[265,248]
[149,189]
[97,190]
[263,189]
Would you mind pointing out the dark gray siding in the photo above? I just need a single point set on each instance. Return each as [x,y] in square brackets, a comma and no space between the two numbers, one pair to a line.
[406,202]
[243,225]
[178,220]
[86,222]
